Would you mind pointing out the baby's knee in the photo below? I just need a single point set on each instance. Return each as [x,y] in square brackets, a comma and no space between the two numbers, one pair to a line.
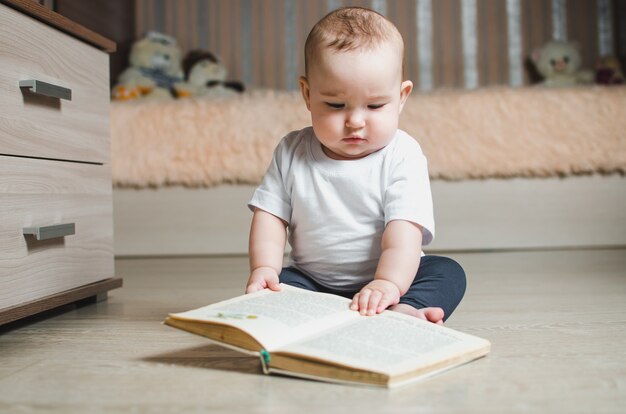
[454,274]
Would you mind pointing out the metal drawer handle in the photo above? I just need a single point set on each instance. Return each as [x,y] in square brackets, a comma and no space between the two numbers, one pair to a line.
[51,232]
[47,89]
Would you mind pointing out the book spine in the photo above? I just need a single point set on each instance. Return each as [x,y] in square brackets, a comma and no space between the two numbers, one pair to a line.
[265,361]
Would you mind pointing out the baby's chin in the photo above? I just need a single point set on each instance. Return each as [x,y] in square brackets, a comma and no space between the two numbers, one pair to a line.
[349,155]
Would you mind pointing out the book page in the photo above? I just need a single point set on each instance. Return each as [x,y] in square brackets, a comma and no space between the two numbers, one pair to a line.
[276,318]
[389,343]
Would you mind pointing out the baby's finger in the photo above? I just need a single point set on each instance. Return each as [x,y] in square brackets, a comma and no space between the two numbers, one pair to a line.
[274,286]
[355,302]
[375,298]
[385,302]
[364,298]
[253,287]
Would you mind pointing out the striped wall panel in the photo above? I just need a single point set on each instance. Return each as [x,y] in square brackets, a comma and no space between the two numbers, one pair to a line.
[492,41]
[449,43]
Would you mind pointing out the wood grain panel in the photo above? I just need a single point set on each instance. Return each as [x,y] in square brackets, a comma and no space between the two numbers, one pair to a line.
[90,293]
[582,28]
[258,50]
[269,62]
[555,350]
[41,193]
[43,12]
[619,30]
[305,14]
[37,126]
[447,45]
[304,9]
[236,40]
[225,40]
[97,15]
[278,42]
[216,220]
[217,23]
[536,30]
[492,42]
[402,14]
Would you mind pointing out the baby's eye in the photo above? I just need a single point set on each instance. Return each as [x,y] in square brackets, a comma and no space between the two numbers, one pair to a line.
[335,105]
[377,106]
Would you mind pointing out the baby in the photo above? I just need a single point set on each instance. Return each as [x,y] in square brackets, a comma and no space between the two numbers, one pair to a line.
[353,190]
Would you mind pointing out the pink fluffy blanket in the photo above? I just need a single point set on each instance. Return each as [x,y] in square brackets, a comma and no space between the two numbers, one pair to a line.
[492,132]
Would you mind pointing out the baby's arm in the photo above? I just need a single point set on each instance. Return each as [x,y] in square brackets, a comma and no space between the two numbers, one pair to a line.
[268,235]
[398,264]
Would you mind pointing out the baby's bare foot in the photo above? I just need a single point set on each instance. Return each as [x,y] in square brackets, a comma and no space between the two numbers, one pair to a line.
[434,315]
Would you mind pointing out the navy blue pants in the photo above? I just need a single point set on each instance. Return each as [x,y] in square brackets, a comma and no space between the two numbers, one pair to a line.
[440,282]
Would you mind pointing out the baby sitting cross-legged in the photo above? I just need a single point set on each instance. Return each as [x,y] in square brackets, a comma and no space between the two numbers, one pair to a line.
[352,192]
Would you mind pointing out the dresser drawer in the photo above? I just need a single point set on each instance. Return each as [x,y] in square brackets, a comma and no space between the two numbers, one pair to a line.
[36,193]
[36,125]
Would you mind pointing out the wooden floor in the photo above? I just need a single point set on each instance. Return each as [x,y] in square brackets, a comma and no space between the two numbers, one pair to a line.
[556,320]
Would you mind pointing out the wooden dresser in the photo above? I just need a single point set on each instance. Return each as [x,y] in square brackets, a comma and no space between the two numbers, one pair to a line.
[56,221]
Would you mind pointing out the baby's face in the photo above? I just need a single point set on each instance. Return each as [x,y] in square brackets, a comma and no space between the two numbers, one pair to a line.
[355,99]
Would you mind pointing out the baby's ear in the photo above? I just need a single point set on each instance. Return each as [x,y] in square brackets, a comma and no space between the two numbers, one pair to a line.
[405,91]
[306,91]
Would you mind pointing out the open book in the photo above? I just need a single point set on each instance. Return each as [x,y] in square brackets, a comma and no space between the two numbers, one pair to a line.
[315,335]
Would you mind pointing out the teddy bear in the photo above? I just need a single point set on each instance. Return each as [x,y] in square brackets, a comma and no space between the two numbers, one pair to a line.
[154,69]
[559,64]
[205,76]
[609,71]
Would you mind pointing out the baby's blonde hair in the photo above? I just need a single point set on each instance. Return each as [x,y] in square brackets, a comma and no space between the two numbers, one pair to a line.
[350,28]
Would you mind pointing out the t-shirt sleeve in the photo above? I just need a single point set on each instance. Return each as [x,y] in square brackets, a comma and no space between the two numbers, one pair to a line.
[408,196]
[271,194]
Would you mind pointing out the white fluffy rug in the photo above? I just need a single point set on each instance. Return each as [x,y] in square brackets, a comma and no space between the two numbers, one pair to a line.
[491,132]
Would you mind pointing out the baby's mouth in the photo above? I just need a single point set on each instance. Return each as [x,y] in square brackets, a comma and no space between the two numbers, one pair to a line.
[354,139]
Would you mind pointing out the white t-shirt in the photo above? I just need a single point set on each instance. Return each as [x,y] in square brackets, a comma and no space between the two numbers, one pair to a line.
[337,210]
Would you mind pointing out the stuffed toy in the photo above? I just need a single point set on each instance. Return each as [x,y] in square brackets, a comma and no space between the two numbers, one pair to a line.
[155,69]
[559,65]
[609,71]
[205,76]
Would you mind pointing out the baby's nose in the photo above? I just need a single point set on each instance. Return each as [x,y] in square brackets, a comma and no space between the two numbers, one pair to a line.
[355,119]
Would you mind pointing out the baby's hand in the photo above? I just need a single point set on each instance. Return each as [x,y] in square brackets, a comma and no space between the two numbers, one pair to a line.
[261,278]
[375,297]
